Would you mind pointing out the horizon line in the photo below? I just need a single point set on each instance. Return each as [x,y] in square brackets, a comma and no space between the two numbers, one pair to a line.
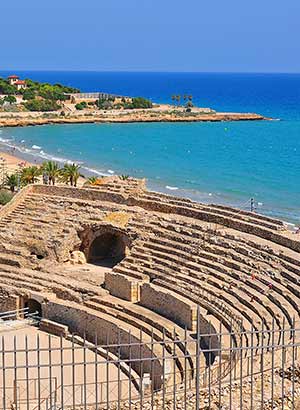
[150,71]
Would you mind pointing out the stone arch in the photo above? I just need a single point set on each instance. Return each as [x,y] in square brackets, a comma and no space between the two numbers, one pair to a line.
[105,245]
[33,306]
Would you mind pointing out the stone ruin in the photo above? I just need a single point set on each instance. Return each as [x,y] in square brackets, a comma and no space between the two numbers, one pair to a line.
[116,257]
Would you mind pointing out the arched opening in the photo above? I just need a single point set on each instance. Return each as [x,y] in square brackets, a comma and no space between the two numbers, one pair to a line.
[107,250]
[34,307]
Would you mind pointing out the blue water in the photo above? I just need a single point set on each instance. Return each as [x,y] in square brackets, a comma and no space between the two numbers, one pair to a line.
[211,162]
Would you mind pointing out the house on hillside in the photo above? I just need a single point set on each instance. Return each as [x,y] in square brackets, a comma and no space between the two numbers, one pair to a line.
[15,80]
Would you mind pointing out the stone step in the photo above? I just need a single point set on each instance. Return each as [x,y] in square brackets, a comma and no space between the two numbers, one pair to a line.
[145,328]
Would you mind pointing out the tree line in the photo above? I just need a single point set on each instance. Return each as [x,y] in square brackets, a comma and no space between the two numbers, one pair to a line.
[49,171]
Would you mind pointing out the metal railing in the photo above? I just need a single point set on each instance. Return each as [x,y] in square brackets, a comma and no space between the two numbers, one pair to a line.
[42,372]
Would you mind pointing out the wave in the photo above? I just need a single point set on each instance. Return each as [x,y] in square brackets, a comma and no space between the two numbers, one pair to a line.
[172,188]
[5,140]
[37,152]
[94,171]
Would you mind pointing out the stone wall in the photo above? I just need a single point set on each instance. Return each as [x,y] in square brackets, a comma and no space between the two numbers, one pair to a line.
[209,215]
[16,200]
[8,302]
[170,305]
[87,322]
[122,286]
[54,328]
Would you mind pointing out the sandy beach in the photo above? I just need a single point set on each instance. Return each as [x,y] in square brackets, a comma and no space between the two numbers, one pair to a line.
[13,162]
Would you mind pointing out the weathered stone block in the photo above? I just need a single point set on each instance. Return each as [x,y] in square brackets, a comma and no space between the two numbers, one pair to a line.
[170,305]
[122,286]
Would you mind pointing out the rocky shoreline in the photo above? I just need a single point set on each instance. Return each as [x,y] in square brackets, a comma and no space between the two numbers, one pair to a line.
[31,119]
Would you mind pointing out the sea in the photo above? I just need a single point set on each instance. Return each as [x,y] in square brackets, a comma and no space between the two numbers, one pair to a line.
[226,162]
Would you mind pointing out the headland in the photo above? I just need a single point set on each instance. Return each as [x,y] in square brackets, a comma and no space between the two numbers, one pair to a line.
[27,102]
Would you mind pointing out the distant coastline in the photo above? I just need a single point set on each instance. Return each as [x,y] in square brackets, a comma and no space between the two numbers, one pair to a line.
[161,114]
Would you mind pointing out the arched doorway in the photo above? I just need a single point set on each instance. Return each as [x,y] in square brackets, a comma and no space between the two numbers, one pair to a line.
[107,249]
[34,307]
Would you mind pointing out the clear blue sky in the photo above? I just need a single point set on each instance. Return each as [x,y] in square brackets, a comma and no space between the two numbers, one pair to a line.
[152,35]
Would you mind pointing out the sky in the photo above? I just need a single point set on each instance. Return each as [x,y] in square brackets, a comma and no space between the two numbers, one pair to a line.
[151,35]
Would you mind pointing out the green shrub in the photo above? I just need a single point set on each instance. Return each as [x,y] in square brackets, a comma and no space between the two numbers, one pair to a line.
[81,106]
[5,197]
[138,102]
[28,94]
[41,105]
[10,99]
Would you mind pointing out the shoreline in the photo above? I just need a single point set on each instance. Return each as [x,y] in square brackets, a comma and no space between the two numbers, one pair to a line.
[23,119]
[14,156]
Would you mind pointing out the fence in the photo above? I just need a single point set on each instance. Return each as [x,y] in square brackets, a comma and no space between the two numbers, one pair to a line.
[43,372]
[101,95]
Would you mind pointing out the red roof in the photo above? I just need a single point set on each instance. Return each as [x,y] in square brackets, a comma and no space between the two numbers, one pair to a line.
[20,82]
[13,76]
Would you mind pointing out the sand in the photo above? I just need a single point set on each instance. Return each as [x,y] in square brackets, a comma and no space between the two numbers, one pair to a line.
[13,162]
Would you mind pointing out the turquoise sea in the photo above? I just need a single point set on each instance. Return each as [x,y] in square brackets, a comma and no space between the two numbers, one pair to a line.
[211,162]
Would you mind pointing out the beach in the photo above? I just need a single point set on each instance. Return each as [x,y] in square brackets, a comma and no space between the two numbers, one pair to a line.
[212,162]
[12,161]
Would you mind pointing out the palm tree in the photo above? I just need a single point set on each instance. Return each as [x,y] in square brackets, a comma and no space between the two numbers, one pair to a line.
[51,169]
[173,98]
[12,181]
[190,97]
[29,175]
[178,97]
[70,173]
[92,180]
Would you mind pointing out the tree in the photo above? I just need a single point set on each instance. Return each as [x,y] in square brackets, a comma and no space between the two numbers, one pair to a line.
[51,169]
[6,88]
[70,173]
[41,105]
[12,182]
[140,102]
[28,94]
[30,174]
[178,98]
[81,106]
[10,99]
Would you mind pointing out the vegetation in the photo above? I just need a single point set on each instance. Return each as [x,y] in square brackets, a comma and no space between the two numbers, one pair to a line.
[41,105]
[81,106]
[5,196]
[95,181]
[6,88]
[30,175]
[105,103]
[177,99]
[45,97]
[92,180]
[124,177]
[12,182]
[37,96]
[52,170]
[70,174]
[139,102]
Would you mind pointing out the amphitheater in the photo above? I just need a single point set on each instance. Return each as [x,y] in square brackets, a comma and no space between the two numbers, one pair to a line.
[183,297]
